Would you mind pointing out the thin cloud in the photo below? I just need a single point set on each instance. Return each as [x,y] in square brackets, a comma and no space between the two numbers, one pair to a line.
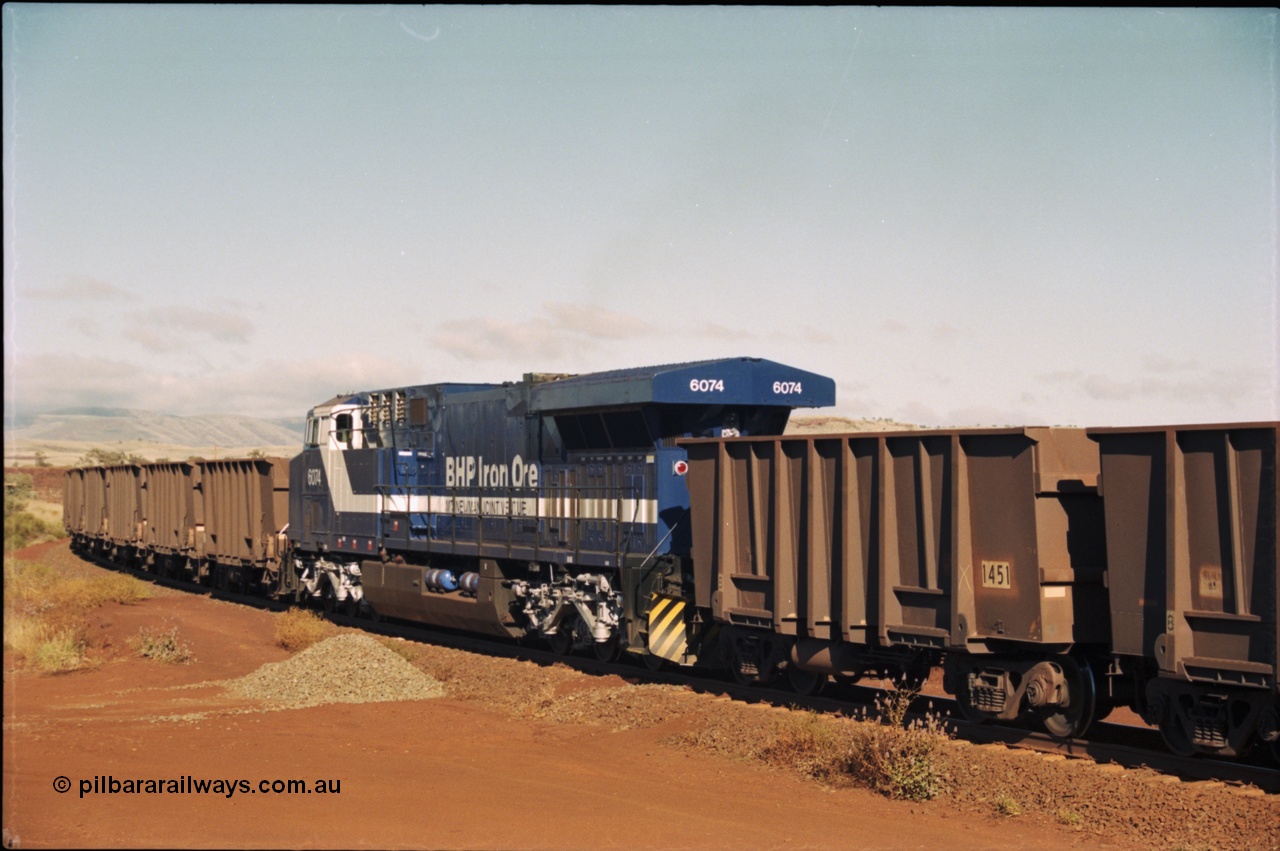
[944,333]
[597,322]
[82,288]
[561,331]
[56,381]
[169,329]
[1163,363]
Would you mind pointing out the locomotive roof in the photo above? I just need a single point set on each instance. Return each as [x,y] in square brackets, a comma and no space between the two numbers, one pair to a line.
[726,381]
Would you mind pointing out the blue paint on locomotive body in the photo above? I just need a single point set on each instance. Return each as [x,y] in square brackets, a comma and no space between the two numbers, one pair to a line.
[556,469]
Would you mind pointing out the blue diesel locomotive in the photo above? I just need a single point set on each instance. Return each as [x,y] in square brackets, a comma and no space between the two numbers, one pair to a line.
[555,506]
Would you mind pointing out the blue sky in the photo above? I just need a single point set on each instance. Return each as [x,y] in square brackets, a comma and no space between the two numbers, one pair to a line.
[965,217]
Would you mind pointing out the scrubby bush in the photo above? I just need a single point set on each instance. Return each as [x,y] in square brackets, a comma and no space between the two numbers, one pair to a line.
[21,527]
[298,629]
[97,457]
[18,490]
[22,530]
[162,646]
[901,758]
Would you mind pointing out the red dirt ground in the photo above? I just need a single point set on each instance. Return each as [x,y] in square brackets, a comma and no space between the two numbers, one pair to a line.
[462,771]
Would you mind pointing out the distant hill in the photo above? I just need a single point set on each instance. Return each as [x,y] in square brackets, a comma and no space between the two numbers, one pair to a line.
[109,425]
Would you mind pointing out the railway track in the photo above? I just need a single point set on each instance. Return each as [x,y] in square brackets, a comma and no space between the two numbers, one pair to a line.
[1125,746]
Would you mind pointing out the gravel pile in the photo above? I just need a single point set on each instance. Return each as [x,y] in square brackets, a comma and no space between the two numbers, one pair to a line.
[342,669]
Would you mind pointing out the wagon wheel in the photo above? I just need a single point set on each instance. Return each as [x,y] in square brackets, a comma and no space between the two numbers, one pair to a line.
[1073,716]
[1174,729]
[804,682]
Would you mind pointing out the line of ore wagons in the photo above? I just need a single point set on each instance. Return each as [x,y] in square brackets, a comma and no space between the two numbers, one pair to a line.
[1152,550]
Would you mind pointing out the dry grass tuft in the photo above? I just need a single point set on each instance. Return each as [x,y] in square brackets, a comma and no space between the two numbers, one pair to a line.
[46,615]
[297,629]
[816,746]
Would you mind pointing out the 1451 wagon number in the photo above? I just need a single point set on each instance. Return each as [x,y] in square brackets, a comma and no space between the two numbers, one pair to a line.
[997,574]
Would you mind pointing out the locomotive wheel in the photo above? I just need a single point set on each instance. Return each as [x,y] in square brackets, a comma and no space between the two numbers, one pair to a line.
[805,682]
[561,641]
[607,651]
[1072,717]
[653,662]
